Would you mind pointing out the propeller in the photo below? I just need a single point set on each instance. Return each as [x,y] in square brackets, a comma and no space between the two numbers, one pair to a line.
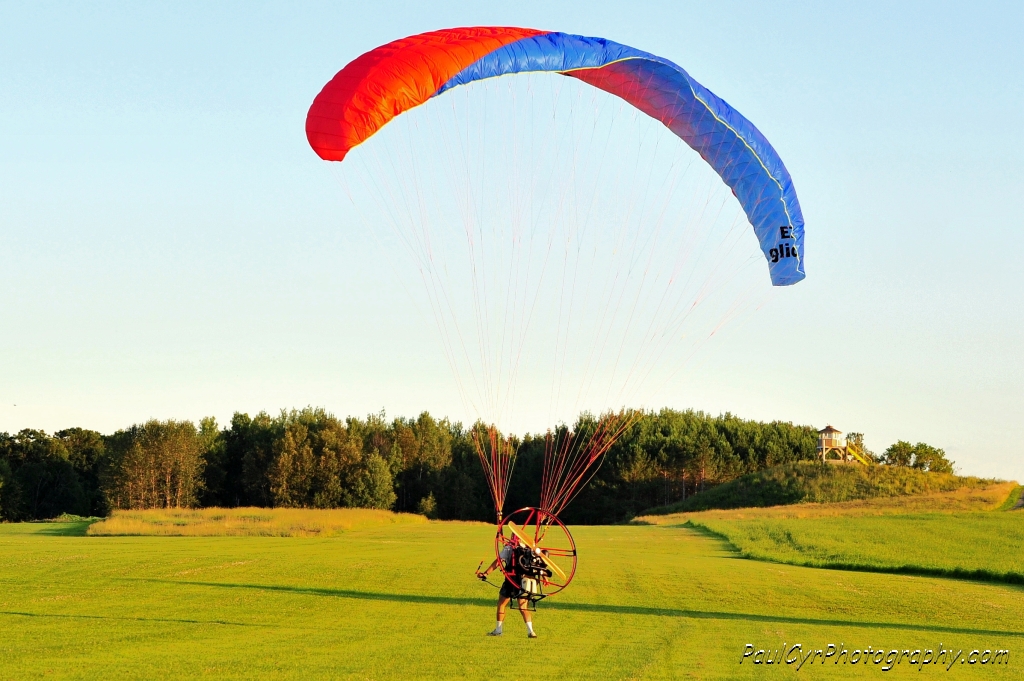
[537,552]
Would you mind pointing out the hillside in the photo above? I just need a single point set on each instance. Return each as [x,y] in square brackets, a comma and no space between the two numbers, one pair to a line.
[970,533]
[813,482]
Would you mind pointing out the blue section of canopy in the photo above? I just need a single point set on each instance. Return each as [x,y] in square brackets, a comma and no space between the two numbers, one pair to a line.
[730,143]
[549,52]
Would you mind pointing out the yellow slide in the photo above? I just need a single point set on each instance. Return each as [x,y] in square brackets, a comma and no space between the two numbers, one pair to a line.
[858,455]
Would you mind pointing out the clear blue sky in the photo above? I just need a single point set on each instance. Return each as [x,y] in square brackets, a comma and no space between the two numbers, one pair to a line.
[170,246]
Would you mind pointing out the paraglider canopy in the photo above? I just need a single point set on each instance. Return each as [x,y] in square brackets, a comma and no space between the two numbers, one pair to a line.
[576,254]
[393,78]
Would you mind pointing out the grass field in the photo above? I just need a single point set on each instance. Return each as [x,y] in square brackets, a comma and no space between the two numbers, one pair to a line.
[964,533]
[399,601]
[1014,500]
[247,522]
[975,545]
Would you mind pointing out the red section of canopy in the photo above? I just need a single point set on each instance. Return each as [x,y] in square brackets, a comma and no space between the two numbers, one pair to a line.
[393,78]
[645,92]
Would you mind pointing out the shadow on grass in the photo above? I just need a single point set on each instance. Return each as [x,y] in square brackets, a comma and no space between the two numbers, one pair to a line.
[707,533]
[124,619]
[72,529]
[594,607]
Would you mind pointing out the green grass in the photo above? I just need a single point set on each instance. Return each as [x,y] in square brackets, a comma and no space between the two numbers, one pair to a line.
[970,545]
[1013,500]
[814,482]
[965,533]
[400,601]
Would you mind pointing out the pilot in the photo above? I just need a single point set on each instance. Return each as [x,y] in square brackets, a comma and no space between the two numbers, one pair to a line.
[508,591]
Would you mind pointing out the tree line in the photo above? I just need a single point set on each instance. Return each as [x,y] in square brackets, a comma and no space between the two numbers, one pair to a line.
[309,458]
[920,456]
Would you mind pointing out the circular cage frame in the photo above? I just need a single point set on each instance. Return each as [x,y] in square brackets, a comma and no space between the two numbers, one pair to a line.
[537,523]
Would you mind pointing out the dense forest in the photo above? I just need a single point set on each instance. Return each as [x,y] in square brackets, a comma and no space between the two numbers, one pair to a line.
[309,458]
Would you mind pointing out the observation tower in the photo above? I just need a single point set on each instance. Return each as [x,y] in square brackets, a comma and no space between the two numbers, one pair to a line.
[831,441]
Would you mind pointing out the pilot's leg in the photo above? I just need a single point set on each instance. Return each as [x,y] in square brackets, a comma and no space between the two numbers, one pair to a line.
[503,601]
[527,617]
